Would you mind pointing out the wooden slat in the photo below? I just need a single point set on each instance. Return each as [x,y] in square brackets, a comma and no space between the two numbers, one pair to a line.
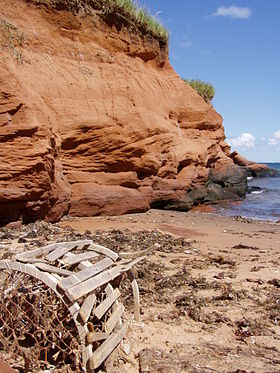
[108,290]
[84,264]
[46,249]
[86,353]
[85,273]
[34,253]
[3,264]
[74,310]
[136,296]
[93,283]
[104,250]
[87,306]
[32,260]
[79,258]
[52,269]
[114,319]
[63,249]
[129,265]
[107,303]
[136,254]
[107,347]
[31,270]
[96,336]
[52,280]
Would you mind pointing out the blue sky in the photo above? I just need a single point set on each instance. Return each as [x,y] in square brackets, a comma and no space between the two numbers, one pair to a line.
[235,46]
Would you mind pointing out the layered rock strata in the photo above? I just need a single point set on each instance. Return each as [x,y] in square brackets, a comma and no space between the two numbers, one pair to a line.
[94,120]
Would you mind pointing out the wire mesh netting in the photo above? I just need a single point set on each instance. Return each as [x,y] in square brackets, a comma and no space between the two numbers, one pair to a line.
[36,327]
[37,330]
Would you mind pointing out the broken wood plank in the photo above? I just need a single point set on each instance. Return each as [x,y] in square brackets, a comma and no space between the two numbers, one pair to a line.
[52,269]
[85,273]
[129,265]
[104,250]
[79,258]
[136,254]
[96,336]
[87,306]
[136,296]
[103,307]
[107,347]
[93,283]
[114,319]
[65,247]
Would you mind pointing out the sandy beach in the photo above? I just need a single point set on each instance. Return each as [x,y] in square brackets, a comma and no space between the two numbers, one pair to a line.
[209,291]
[210,288]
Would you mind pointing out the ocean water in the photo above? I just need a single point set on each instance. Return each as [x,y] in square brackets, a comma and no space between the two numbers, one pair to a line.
[263,204]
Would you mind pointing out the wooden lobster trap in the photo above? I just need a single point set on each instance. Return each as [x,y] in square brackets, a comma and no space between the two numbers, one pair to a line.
[60,305]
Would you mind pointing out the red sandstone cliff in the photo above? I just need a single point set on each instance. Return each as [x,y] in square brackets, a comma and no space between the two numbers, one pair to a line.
[94,120]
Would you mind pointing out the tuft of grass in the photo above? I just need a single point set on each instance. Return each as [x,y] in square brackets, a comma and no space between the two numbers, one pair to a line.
[204,89]
[139,16]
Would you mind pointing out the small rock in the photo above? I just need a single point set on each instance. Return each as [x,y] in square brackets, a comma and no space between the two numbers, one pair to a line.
[14,225]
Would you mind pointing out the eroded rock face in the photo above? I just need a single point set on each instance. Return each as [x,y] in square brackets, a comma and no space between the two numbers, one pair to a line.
[95,121]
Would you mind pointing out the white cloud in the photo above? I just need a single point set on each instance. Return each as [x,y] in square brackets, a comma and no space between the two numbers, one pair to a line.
[275,139]
[277,134]
[246,140]
[233,12]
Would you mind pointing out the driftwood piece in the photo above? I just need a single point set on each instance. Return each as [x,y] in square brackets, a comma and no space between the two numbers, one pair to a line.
[103,307]
[107,347]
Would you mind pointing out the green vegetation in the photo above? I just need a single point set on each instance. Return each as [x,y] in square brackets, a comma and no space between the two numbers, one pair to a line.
[11,39]
[204,89]
[116,11]
[130,12]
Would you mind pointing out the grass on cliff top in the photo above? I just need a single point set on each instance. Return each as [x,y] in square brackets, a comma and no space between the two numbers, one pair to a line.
[132,13]
[124,10]
[204,89]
